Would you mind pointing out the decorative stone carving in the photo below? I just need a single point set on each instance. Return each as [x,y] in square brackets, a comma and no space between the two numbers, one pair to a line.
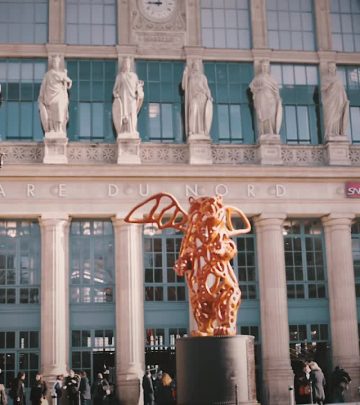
[335,104]
[128,98]
[198,101]
[267,101]
[53,98]
[167,32]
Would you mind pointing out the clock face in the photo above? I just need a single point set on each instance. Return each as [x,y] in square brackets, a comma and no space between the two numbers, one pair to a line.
[158,10]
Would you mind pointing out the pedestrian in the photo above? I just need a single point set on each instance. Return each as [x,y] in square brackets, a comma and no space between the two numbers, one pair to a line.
[84,389]
[340,381]
[38,390]
[100,390]
[3,397]
[156,379]
[148,388]
[317,383]
[164,393]
[302,385]
[56,392]
[71,385]
[17,391]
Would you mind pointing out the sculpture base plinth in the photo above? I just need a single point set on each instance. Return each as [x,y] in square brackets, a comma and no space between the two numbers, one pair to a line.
[269,149]
[216,370]
[338,150]
[128,148]
[55,148]
[199,149]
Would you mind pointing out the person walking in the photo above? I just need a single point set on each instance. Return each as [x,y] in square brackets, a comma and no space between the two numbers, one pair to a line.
[318,383]
[84,389]
[38,390]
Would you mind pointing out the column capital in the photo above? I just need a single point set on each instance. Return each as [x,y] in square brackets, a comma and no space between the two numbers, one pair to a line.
[118,222]
[53,218]
[269,219]
[338,219]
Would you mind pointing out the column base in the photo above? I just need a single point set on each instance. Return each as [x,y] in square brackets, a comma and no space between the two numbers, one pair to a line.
[129,390]
[128,148]
[199,149]
[55,148]
[215,369]
[338,151]
[276,385]
[269,149]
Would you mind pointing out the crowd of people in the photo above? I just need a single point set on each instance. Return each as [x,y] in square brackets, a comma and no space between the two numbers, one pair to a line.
[159,388]
[74,388]
[311,387]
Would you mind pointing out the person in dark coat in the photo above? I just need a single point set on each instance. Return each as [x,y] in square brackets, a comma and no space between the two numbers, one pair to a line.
[147,385]
[38,390]
[84,389]
[71,385]
[318,383]
[340,381]
[164,393]
[18,389]
[100,390]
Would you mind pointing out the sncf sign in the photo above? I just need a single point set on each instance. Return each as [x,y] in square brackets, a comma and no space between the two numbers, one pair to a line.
[352,189]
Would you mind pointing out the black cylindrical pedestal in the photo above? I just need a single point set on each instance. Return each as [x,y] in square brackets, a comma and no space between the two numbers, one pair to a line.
[215,370]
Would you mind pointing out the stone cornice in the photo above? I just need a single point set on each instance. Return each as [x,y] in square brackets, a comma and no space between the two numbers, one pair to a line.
[180,171]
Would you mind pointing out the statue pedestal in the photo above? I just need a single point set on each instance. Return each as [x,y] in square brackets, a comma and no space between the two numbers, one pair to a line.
[55,148]
[215,370]
[199,149]
[128,148]
[338,150]
[269,149]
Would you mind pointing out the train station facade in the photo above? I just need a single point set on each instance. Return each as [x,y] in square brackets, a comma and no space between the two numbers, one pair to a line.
[80,288]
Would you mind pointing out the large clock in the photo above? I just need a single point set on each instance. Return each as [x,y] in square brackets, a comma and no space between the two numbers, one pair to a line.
[158,10]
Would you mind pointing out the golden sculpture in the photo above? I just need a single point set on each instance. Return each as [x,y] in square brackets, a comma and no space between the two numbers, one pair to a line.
[204,258]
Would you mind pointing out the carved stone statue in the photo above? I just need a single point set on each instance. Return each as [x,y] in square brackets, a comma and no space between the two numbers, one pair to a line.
[205,254]
[198,100]
[335,103]
[128,95]
[267,101]
[53,98]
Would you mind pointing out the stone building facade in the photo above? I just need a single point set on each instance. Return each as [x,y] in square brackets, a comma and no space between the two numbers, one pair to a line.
[80,288]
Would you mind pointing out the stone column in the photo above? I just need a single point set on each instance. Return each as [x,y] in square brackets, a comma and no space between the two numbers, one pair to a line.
[130,358]
[277,372]
[54,295]
[56,21]
[259,24]
[323,24]
[342,299]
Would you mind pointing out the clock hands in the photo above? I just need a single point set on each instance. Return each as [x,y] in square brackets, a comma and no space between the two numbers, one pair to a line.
[158,3]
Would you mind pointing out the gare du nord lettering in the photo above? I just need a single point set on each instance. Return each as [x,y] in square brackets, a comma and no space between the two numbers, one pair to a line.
[117,190]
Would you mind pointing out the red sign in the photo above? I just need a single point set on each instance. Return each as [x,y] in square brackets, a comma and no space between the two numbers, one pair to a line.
[352,189]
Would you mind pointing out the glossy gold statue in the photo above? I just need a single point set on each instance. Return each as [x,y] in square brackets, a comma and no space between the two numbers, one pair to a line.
[205,255]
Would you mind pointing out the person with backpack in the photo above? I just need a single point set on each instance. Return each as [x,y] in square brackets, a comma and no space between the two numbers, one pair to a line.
[17,391]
